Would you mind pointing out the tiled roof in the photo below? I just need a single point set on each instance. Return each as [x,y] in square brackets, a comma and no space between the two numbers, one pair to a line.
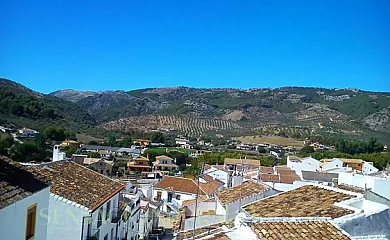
[236,161]
[319,176]
[244,190]
[351,188]
[163,157]
[79,184]
[204,231]
[180,184]
[307,230]
[287,175]
[211,186]
[16,182]
[267,170]
[155,164]
[269,177]
[306,201]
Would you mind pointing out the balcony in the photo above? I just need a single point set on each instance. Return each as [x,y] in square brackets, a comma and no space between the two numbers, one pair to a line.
[116,215]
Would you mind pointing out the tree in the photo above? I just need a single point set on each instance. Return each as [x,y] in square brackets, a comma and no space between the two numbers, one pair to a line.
[126,142]
[70,151]
[93,155]
[93,143]
[111,141]
[307,149]
[157,137]
[5,144]
[27,152]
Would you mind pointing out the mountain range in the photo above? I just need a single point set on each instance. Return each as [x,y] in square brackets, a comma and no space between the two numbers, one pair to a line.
[194,111]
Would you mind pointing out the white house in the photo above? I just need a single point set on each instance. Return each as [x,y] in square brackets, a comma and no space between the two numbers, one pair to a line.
[24,200]
[27,132]
[132,215]
[164,163]
[174,190]
[83,204]
[182,141]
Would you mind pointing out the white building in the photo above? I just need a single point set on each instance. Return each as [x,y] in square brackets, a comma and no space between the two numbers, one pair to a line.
[182,141]
[164,163]
[356,215]
[83,204]
[149,216]
[306,164]
[219,172]
[27,132]
[132,215]
[174,190]
[379,183]
[24,200]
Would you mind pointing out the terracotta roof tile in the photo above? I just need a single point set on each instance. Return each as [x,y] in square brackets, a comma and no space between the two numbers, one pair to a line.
[267,170]
[244,190]
[215,229]
[16,182]
[77,183]
[351,188]
[211,186]
[269,177]
[306,201]
[313,230]
[180,184]
[236,161]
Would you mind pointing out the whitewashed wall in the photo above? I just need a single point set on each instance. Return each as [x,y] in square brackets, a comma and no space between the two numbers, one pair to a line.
[220,175]
[380,186]
[337,163]
[164,196]
[309,165]
[201,207]
[13,218]
[202,221]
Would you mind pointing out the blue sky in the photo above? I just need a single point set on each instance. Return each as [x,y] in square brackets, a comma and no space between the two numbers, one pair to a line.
[108,45]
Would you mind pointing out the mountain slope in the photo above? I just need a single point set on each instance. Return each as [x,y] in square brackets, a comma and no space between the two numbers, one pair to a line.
[24,107]
[72,95]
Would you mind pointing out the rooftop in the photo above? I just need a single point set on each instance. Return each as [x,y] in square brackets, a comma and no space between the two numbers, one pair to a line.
[312,230]
[211,185]
[163,157]
[244,190]
[306,201]
[235,161]
[319,176]
[78,184]
[180,184]
[351,188]
[16,182]
[205,231]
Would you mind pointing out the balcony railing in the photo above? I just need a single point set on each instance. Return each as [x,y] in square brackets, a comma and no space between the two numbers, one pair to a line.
[116,215]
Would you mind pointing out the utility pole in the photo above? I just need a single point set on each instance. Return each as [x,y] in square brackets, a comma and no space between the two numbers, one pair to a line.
[196,198]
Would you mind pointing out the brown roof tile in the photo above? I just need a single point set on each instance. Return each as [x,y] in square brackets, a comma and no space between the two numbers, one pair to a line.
[180,184]
[351,188]
[306,201]
[269,177]
[205,231]
[16,182]
[244,190]
[236,161]
[78,184]
[267,170]
[211,186]
[313,230]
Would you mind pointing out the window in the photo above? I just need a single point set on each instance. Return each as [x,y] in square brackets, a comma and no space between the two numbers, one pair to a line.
[106,237]
[31,221]
[169,197]
[178,197]
[112,234]
[99,221]
[108,209]
[159,196]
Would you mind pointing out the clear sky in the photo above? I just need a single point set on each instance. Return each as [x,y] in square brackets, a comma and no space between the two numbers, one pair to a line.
[106,45]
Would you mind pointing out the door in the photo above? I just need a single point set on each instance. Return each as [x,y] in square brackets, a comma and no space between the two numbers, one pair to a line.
[170,197]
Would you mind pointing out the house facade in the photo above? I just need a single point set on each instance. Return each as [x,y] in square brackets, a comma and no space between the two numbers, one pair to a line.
[83,204]
[219,172]
[24,201]
[149,216]
[27,132]
[164,163]
[138,164]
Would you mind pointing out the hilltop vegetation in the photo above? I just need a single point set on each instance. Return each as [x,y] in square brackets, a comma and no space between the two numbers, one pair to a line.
[289,111]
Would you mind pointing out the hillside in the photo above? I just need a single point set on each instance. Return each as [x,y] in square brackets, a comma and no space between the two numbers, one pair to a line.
[232,112]
[23,107]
